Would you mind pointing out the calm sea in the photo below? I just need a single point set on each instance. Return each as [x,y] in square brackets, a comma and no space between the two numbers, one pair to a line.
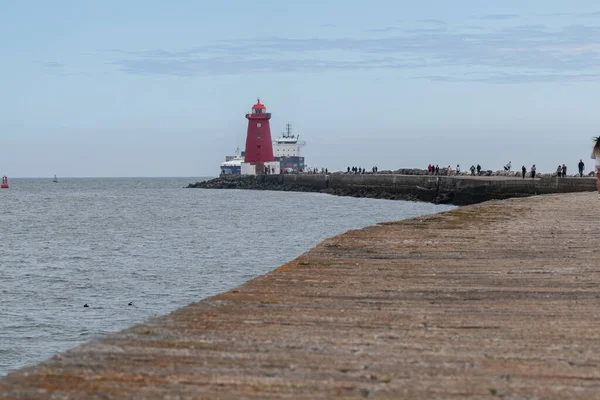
[109,242]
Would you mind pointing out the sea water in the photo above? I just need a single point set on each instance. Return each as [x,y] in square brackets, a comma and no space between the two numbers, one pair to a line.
[149,242]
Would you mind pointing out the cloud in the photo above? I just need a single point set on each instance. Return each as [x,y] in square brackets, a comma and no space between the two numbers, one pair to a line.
[380,30]
[224,66]
[572,52]
[595,14]
[496,17]
[434,21]
[554,15]
[51,64]
[515,78]
[57,68]
[398,29]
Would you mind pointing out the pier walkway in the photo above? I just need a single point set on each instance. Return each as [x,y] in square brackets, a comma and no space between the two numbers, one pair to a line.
[497,300]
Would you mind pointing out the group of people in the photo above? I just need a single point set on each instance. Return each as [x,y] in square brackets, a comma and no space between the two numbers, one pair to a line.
[473,169]
[359,170]
[524,171]
[561,170]
[435,170]
[311,171]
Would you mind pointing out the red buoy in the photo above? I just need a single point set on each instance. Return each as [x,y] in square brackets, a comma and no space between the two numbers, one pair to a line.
[259,147]
[4,184]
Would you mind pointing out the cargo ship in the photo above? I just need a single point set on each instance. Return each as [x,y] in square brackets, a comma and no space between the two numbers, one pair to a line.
[286,150]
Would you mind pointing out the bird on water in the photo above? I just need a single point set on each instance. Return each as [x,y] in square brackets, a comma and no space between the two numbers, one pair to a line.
[85,305]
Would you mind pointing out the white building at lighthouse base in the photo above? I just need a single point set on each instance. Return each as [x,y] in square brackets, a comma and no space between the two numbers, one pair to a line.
[273,168]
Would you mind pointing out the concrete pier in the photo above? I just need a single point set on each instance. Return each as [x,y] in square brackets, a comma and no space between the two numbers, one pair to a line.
[459,190]
[497,300]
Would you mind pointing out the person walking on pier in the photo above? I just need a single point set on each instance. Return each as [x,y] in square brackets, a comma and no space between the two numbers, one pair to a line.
[559,171]
[581,166]
[596,157]
[523,171]
[478,169]
[472,170]
[564,171]
[533,171]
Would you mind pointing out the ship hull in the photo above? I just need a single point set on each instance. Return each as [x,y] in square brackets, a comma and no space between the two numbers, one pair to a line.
[231,170]
[292,163]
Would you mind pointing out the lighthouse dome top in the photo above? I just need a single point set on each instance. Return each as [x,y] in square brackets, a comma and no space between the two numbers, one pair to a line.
[259,106]
[259,111]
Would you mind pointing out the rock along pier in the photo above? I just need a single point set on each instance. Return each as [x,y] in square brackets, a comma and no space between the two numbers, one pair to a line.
[459,190]
[496,300]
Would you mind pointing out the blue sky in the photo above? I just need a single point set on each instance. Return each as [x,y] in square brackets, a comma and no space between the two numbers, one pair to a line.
[154,88]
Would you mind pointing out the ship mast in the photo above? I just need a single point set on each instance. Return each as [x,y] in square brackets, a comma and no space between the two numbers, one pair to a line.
[288,130]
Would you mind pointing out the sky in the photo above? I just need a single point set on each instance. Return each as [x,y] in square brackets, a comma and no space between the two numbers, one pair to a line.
[156,88]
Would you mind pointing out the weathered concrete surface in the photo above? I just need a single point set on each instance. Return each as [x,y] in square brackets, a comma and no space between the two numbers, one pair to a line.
[459,190]
[487,301]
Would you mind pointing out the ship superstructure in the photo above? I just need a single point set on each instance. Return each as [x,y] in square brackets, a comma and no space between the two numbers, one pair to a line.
[233,164]
[286,150]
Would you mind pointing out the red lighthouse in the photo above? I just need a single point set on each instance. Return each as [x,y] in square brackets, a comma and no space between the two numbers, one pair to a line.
[259,147]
